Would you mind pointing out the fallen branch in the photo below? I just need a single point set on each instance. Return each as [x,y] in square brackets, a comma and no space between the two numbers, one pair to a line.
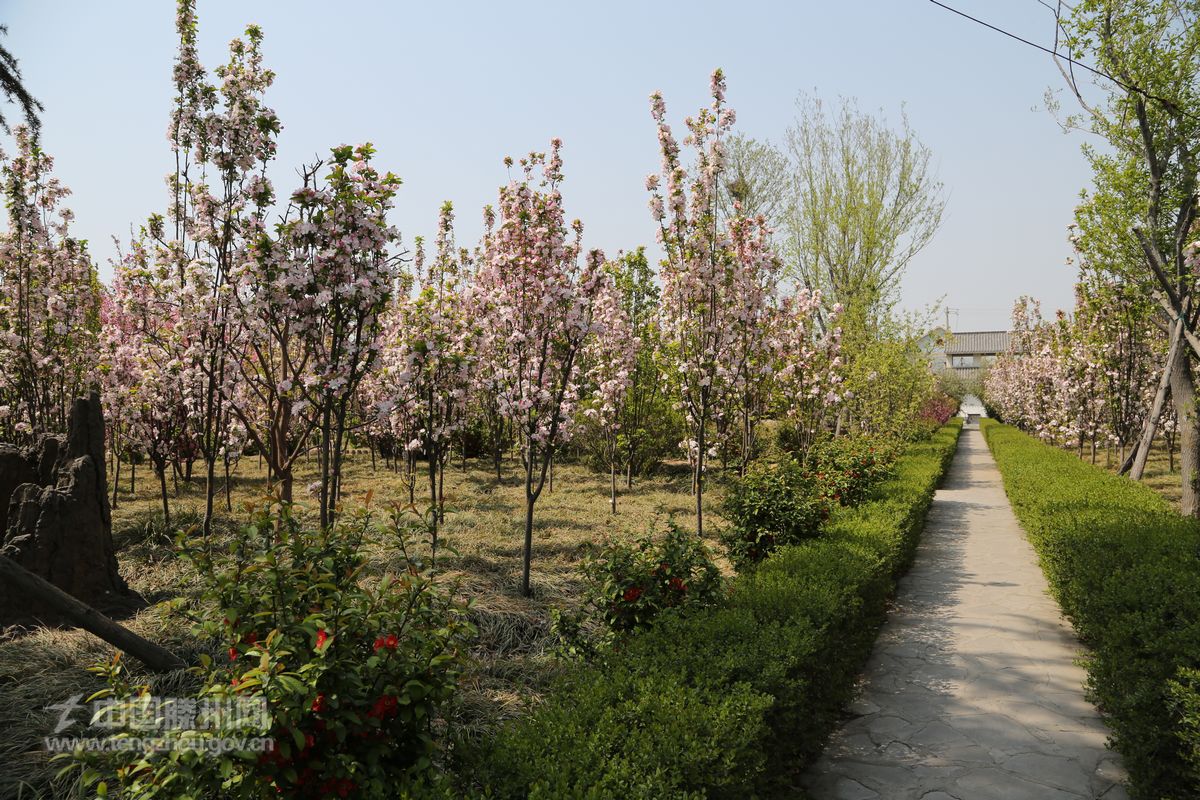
[88,618]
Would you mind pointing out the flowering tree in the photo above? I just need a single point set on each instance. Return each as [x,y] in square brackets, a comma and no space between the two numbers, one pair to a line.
[810,378]
[223,137]
[49,300]
[539,315]
[308,314]
[717,279]
[613,355]
[1081,418]
[1081,379]
[487,383]
[1046,383]
[756,326]
[1026,384]
[429,353]
[142,383]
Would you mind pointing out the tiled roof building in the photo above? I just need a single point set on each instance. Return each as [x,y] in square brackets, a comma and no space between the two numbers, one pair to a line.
[965,352]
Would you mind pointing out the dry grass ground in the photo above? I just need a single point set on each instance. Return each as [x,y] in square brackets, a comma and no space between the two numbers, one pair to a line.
[1161,474]
[482,538]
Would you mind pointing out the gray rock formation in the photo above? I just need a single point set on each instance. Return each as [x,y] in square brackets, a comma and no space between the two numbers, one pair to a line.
[56,520]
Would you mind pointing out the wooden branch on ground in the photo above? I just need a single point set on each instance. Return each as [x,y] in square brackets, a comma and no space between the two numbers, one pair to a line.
[88,618]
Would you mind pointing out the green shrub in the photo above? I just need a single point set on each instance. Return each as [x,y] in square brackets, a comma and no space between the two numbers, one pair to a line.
[1185,706]
[730,701]
[1126,569]
[625,732]
[773,505]
[629,584]
[350,671]
[846,468]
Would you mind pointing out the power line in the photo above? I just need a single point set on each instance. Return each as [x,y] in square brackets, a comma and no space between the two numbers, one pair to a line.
[1043,48]
[1056,54]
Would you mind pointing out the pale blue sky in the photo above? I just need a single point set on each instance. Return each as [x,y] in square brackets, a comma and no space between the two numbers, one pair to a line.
[446,90]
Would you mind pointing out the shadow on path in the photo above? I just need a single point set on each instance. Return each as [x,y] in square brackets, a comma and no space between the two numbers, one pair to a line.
[972,691]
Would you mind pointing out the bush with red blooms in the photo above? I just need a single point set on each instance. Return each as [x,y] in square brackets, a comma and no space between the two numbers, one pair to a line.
[350,669]
[844,469]
[938,409]
[629,584]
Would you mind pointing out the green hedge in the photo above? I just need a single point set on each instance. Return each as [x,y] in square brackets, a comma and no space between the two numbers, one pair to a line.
[1125,568]
[733,701]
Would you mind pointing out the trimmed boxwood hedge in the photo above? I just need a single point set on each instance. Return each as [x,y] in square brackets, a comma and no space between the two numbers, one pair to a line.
[1125,568]
[732,701]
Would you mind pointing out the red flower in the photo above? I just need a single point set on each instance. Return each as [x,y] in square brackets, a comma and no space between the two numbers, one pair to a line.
[384,707]
[632,593]
[678,585]
[252,639]
[322,638]
[390,642]
[233,654]
[319,704]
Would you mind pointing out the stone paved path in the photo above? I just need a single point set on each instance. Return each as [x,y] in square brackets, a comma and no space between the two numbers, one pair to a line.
[971,692]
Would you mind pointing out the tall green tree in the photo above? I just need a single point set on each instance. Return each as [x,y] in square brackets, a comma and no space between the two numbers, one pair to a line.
[865,200]
[1145,106]
[758,178]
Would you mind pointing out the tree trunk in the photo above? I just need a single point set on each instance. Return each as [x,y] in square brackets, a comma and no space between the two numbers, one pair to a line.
[287,481]
[210,493]
[700,482]
[162,483]
[116,482]
[410,468]
[433,503]
[228,487]
[1183,395]
[441,491]
[529,501]
[1137,459]
[613,465]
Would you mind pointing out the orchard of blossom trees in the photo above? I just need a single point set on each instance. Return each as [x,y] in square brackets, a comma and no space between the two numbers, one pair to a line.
[255,343]
[1090,379]
[292,323]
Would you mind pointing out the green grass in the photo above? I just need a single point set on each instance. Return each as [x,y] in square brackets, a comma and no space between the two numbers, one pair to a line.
[736,701]
[482,543]
[1125,568]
